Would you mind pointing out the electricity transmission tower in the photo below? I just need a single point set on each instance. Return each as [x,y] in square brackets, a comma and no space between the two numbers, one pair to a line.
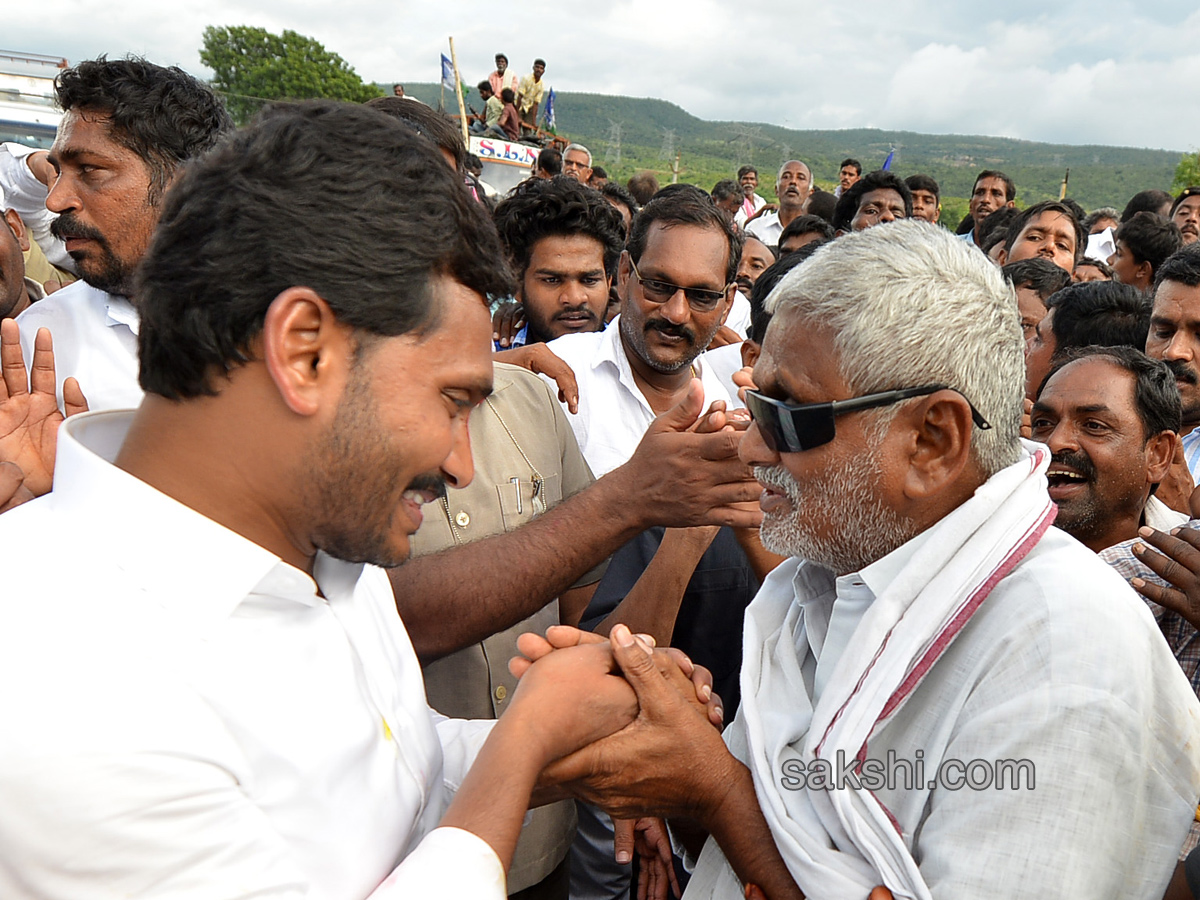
[612,152]
[668,144]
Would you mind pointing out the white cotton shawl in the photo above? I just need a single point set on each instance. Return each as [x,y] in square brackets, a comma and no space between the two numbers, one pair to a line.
[841,843]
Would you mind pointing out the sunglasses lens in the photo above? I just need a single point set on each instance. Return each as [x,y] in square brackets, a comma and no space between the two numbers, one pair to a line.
[790,430]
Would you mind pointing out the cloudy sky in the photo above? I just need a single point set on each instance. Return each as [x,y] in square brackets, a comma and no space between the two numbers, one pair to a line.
[1101,71]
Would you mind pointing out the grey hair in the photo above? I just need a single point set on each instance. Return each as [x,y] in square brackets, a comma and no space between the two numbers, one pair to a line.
[571,147]
[909,304]
[784,164]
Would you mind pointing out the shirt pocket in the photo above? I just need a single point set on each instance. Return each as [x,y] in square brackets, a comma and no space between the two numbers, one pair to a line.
[522,500]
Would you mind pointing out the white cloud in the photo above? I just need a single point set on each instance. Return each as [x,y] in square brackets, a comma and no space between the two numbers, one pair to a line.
[1087,71]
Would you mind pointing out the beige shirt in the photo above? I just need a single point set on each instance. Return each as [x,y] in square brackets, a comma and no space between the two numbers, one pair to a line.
[526,460]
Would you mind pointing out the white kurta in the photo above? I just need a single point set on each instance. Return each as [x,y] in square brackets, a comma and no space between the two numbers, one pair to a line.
[187,716]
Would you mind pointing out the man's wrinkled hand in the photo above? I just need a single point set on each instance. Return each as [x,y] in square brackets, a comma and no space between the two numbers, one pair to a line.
[507,320]
[12,487]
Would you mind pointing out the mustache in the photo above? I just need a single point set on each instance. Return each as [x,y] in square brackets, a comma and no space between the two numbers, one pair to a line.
[1182,371]
[574,311]
[67,225]
[1080,462]
[673,330]
[429,482]
[743,282]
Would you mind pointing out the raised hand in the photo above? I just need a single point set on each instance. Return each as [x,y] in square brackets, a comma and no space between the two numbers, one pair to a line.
[1177,562]
[29,413]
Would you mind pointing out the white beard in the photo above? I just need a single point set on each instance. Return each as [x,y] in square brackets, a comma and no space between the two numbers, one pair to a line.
[863,529]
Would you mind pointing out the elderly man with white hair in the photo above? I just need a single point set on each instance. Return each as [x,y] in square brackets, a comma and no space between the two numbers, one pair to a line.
[941,693]
[577,163]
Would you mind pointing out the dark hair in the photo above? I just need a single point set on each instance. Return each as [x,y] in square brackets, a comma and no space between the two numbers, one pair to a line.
[507,95]
[1150,238]
[806,224]
[1076,210]
[1025,216]
[335,197]
[1191,191]
[686,205]
[1104,313]
[1010,189]
[1182,267]
[966,226]
[727,188]
[995,227]
[851,162]
[550,161]
[1104,212]
[847,205]
[643,186]
[767,280]
[427,121]
[923,183]
[599,172]
[551,207]
[746,170]
[822,203]
[484,86]
[540,62]
[501,56]
[1040,275]
[1145,201]
[474,164]
[1155,393]
[616,192]
[162,114]
[1105,268]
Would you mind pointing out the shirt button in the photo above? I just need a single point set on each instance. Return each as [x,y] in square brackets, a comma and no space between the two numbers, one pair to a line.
[501,692]
[462,519]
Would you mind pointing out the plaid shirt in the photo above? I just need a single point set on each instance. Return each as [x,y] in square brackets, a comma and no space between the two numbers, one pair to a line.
[1182,637]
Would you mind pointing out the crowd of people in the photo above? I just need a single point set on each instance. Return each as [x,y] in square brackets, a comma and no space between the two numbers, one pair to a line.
[366,536]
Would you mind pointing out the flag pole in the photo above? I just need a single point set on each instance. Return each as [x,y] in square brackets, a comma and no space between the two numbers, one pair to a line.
[462,110]
[1062,192]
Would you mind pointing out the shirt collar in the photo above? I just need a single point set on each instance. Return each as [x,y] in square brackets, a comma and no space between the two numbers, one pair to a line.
[35,290]
[196,569]
[121,312]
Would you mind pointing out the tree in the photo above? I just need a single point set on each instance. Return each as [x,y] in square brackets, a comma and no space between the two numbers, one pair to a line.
[1187,173]
[252,65]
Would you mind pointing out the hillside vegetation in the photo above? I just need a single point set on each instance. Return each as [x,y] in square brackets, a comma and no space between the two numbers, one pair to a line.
[709,151]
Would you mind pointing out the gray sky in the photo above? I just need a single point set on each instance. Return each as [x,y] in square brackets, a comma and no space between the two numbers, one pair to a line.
[1102,71]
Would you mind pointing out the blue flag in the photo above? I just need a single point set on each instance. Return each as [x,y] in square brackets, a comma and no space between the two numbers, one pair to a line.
[550,111]
[887,163]
[448,74]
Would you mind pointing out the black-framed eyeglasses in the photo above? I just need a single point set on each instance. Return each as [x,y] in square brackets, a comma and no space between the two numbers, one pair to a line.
[700,299]
[791,428]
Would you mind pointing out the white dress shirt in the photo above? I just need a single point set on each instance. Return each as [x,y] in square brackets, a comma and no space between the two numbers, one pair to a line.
[95,340]
[1061,665]
[187,716]
[766,228]
[613,413]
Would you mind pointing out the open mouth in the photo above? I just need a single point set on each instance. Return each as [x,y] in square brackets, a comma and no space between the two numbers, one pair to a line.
[1064,481]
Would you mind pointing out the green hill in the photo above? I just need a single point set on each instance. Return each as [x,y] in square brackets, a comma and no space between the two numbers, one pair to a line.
[709,151]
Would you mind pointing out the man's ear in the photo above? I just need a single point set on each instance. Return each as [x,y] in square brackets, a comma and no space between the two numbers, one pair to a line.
[750,352]
[307,352]
[17,227]
[939,447]
[1160,451]
[1002,257]
[1144,270]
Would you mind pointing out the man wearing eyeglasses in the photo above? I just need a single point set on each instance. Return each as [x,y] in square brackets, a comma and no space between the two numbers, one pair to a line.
[930,637]
[676,280]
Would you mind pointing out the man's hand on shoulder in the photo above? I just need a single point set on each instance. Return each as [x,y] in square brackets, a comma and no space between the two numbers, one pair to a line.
[540,360]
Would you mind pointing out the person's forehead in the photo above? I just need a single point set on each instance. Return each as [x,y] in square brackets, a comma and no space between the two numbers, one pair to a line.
[888,196]
[575,155]
[1052,221]
[794,168]
[991,185]
[689,255]
[1177,302]
[754,248]
[88,131]
[1026,294]
[1090,383]
[567,252]
[924,196]
[798,362]
[1188,204]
